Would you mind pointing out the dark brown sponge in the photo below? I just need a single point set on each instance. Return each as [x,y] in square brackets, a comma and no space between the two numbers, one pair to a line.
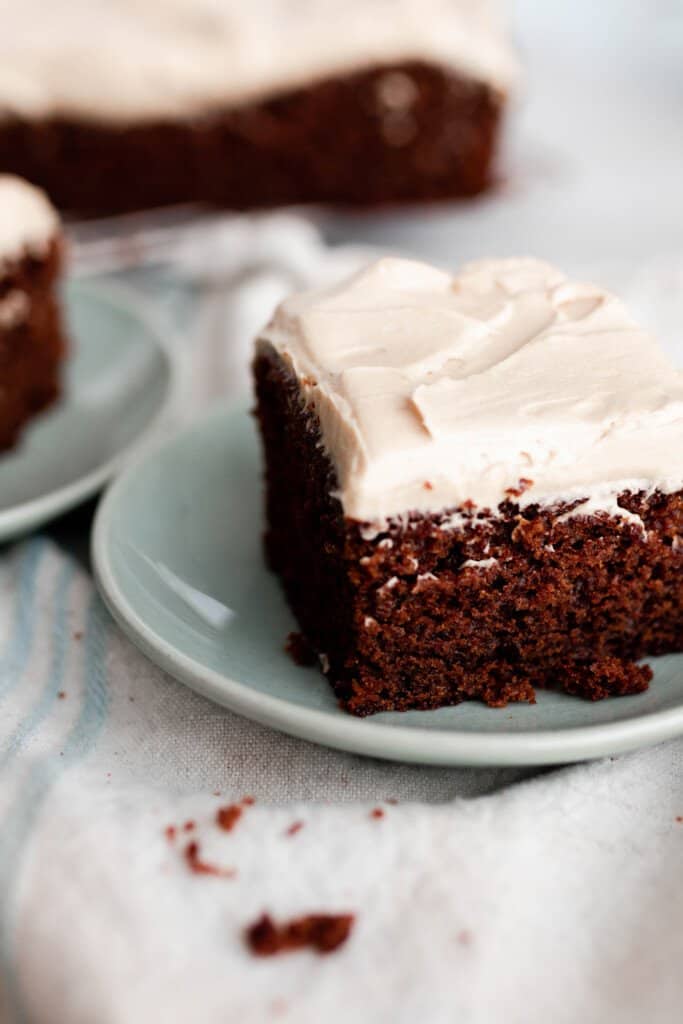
[384,135]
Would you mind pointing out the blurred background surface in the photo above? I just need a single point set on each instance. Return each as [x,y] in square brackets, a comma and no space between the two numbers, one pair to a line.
[591,166]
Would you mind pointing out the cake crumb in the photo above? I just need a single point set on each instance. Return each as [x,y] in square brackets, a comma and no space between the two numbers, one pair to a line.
[170,832]
[323,933]
[62,695]
[377,812]
[299,650]
[679,818]
[605,677]
[295,827]
[523,485]
[227,817]
[201,867]
[189,826]
[78,635]
[248,801]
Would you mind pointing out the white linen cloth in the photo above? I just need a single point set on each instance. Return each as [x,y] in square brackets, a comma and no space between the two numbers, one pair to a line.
[480,896]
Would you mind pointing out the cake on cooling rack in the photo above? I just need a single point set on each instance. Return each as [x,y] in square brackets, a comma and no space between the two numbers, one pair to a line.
[32,342]
[474,484]
[116,105]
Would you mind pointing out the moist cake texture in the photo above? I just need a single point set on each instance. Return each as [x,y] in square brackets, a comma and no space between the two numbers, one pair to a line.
[252,104]
[32,343]
[474,484]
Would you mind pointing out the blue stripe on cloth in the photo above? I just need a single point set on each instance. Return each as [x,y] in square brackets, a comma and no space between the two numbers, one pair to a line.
[15,657]
[60,635]
[44,774]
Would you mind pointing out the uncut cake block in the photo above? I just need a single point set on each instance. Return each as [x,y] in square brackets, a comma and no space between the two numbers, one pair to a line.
[32,340]
[256,103]
[473,484]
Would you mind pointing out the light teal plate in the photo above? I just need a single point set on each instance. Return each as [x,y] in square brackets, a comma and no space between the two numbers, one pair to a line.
[177,554]
[119,383]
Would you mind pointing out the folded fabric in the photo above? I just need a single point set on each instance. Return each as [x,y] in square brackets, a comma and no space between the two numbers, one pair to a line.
[478,895]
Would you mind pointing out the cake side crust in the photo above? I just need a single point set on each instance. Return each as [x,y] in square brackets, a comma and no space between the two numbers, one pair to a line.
[428,613]
[405,132]
[32,338]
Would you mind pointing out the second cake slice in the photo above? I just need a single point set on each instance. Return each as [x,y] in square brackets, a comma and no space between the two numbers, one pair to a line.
[32,339]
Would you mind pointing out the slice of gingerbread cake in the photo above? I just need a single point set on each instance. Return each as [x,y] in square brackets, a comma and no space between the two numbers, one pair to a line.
[474,484]
[118,105]
[32,341]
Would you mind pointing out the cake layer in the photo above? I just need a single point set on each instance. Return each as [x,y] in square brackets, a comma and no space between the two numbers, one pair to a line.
[134,61]
[436,391]
[440,608]
[382,135]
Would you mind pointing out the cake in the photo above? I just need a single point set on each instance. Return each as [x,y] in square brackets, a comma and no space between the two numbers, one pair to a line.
[473,484]
[117,105]
[31,338]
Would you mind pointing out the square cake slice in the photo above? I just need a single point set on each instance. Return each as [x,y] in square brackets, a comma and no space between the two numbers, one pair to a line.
[248,104]
[473,484]
[32,343]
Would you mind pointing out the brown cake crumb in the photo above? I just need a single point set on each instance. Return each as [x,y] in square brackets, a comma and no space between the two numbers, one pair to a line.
[189,826]
[248,801]
[377,812]
[523,485]
[201,867]
[679,818]
[227,817]
[62,695]
[295,827]
[300,651]
[170,832]
[323,933]
[606,676]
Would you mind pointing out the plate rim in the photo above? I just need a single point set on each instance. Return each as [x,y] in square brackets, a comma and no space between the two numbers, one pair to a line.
[20,519]
[414,744]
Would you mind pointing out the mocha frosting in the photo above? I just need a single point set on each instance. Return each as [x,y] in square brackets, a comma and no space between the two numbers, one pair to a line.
[435,390]
[135,60]
[27,219]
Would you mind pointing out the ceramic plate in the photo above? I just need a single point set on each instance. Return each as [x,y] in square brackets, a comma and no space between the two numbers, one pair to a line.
[177,555]
[119,383]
